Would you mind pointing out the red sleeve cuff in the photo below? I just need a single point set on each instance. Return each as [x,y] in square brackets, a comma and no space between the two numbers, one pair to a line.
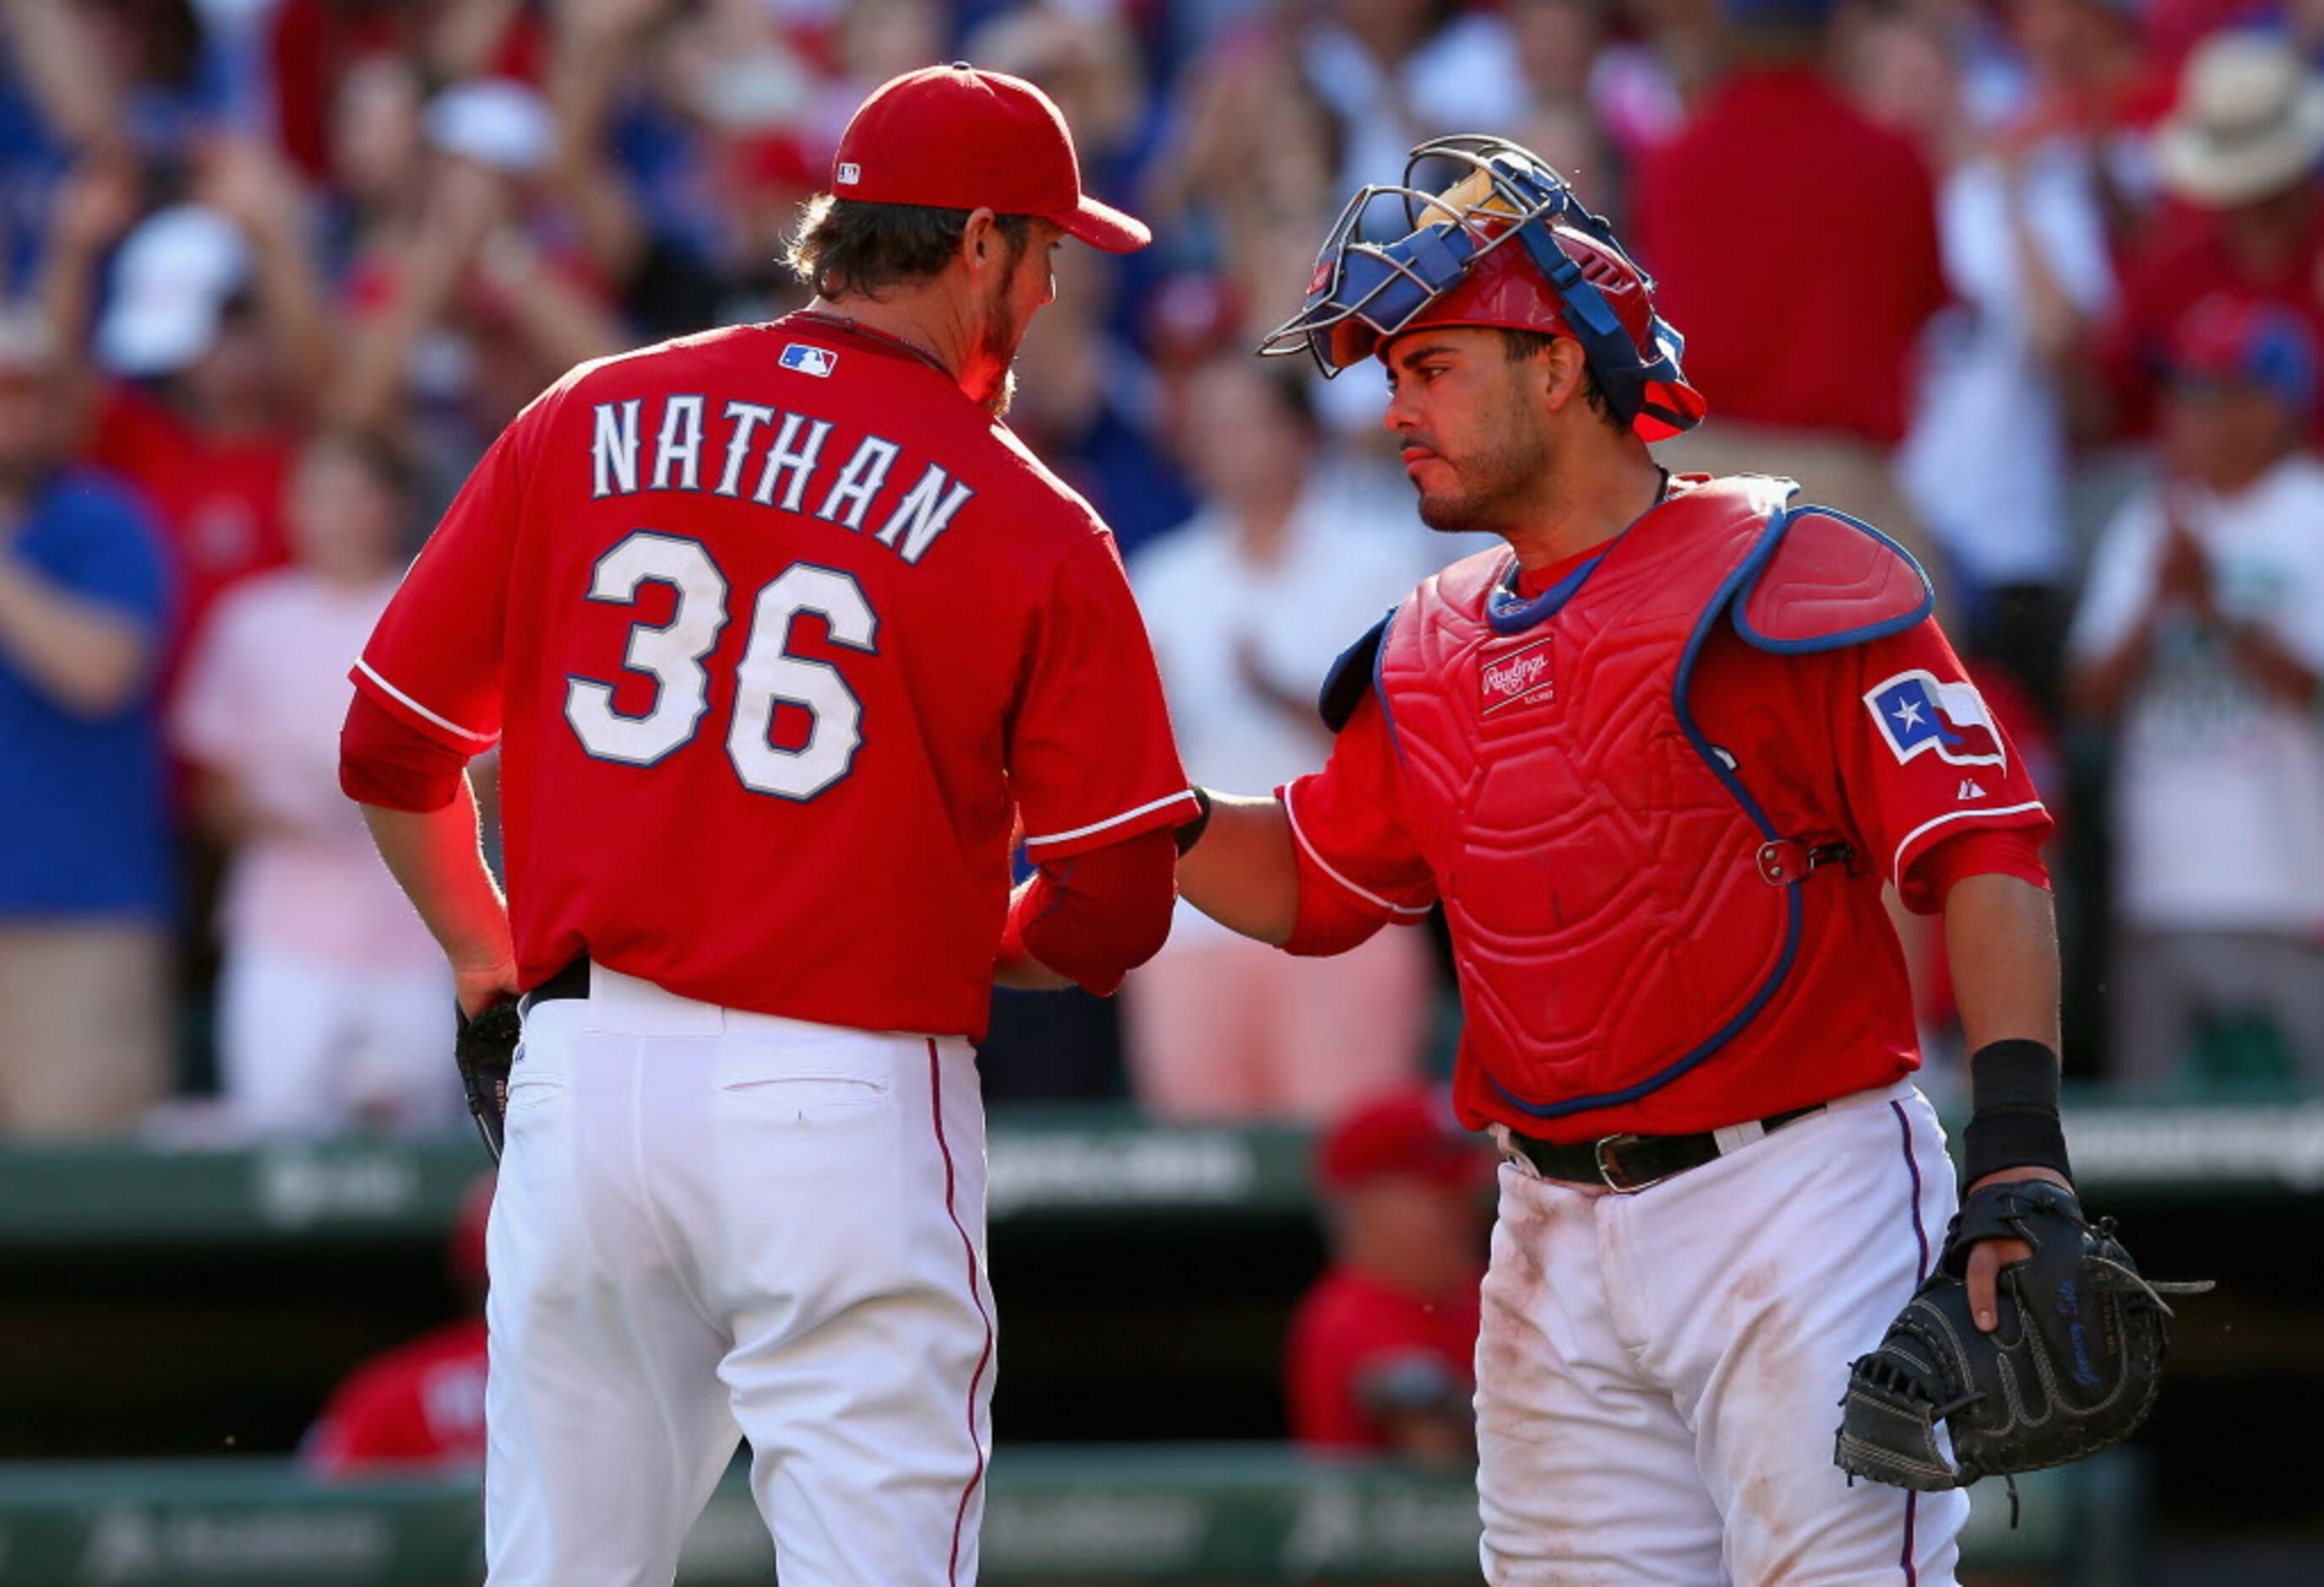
[385,761]
[1095,917]
[1979,852]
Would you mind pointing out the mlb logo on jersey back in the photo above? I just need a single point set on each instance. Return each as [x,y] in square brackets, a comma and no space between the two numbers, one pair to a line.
[1917,713]
[1520,675]
[810,360]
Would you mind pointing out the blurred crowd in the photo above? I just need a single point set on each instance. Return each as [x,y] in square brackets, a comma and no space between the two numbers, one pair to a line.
[2034,285]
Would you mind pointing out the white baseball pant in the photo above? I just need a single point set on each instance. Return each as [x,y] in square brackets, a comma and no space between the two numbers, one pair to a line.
[712,1224]
[1659,1374]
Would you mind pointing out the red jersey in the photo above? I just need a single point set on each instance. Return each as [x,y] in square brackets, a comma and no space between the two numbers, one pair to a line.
[1847,741]
[1813,322]
[1350,1332]
[420,1403]
[220,504]
[784,634]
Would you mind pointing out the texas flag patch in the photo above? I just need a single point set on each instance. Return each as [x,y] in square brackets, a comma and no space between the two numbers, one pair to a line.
[809,359]
[1917,712]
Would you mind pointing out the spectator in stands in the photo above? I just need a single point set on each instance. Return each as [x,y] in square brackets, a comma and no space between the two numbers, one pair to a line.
[54,97]
[2201,633]
[334,1009]
[1381,1352]
[2238,157]
[419,1408]
[1247,603]
[2025,244]
[1086,405]
[85,1016]
[378,167]
[1395,71]
[212,340]
[1243,187]
[1578,102]
[473,309]
[1796,240]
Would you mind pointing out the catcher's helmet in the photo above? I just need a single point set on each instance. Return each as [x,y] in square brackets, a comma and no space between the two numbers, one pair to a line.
[1507,244]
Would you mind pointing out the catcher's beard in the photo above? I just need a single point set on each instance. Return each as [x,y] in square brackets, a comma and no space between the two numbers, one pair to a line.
[1497,474]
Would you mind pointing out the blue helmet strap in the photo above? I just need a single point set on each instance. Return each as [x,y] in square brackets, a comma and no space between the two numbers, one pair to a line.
[1623,369]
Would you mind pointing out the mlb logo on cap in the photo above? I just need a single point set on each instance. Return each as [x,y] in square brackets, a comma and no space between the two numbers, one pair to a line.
[1917,713]
[850,173]
[808,360]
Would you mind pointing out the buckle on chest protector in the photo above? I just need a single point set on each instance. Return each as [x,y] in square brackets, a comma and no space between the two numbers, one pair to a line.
[1610,1166]
[1786,860]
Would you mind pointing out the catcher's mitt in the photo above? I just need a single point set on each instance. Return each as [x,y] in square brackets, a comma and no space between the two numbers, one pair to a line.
[485,1050]
[2071,1366]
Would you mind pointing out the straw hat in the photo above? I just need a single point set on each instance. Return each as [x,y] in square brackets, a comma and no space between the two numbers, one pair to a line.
[2249,123]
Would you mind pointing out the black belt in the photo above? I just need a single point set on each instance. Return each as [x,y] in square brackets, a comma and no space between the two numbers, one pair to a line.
[572,980]
[1633,1162]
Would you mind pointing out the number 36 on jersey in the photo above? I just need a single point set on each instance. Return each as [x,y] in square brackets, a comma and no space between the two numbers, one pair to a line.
[768,676]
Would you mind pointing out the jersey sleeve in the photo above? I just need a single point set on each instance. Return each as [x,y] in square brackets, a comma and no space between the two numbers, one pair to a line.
[1091,758]
[434,661]
[1923,759]
[1347,824]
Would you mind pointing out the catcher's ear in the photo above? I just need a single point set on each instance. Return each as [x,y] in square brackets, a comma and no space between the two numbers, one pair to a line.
[1560,370]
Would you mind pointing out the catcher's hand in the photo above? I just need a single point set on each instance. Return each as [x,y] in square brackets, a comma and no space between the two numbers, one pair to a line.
[485,1050]
[2072,1363]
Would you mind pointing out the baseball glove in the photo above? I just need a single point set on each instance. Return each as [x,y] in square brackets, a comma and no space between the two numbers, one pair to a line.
[2071,1366]
[485,1050]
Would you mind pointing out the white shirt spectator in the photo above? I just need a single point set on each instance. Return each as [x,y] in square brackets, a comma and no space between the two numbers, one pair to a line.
[1984,465]
[1462,78]
[263,698]
[2219,786]
[1216,617]
[335,1004]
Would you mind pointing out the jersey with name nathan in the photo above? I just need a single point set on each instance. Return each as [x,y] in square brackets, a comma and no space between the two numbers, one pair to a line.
[785,636]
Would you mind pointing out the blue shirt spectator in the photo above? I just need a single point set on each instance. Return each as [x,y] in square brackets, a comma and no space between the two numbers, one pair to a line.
[81,796]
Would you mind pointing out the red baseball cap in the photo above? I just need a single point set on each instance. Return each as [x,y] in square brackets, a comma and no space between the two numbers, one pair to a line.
[951,137]
[1403,1132]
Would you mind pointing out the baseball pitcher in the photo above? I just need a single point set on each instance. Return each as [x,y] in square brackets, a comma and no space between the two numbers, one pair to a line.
[782,634]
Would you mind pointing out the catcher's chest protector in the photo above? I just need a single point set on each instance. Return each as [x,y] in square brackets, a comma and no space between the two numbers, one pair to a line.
[1599,865]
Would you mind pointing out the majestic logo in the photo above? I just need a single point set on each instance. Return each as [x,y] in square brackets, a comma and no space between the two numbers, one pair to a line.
[1521,675]
[850,173]
[1918,713]
[818,362]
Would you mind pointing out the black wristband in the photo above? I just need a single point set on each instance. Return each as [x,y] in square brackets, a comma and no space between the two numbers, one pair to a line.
[2014,1122]
[1191,833]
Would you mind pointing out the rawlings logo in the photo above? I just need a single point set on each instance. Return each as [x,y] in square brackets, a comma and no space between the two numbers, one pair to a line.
[1518,676]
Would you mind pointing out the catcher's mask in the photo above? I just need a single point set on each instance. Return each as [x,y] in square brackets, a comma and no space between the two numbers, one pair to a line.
[1507,243]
